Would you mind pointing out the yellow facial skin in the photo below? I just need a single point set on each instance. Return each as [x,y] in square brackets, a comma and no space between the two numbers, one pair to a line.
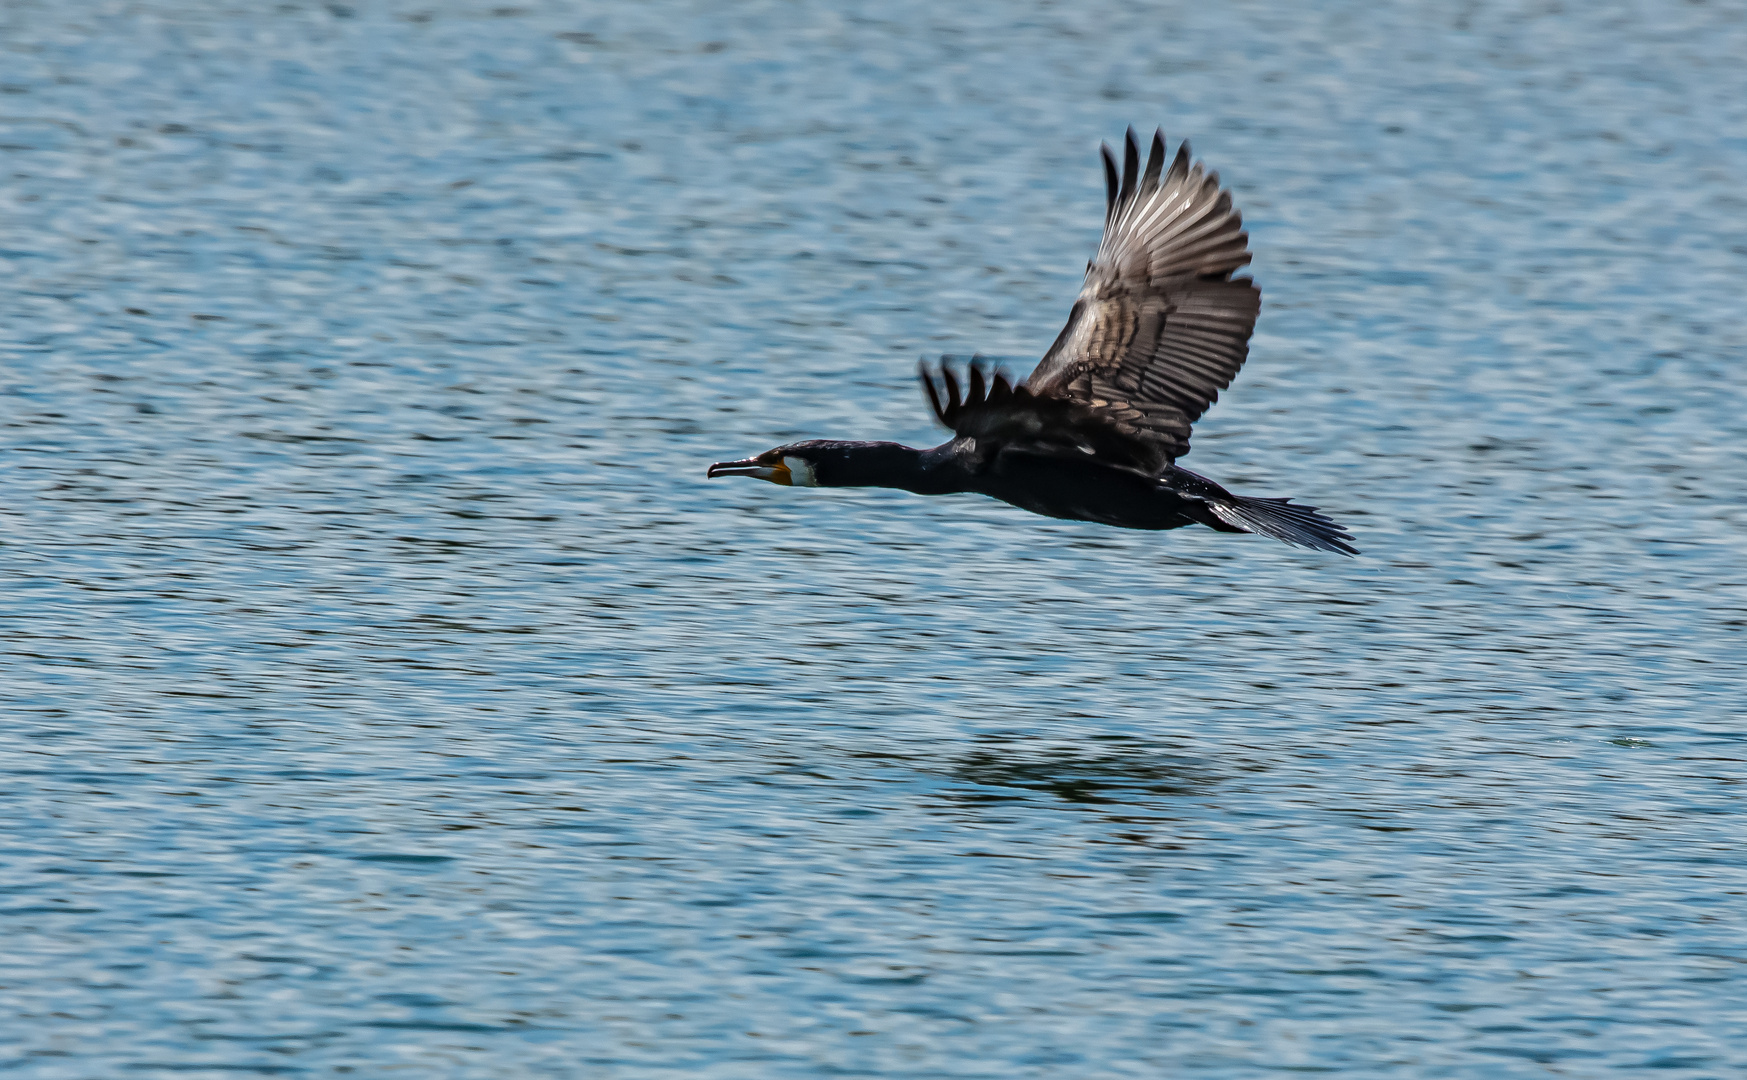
[778,473]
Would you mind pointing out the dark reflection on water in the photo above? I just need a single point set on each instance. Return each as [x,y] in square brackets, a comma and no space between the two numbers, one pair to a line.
[387,691]
[1095,775]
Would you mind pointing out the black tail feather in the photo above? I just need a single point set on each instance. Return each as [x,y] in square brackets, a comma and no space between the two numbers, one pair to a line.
[1280,519]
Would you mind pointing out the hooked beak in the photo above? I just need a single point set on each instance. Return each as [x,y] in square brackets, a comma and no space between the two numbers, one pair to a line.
[776,473]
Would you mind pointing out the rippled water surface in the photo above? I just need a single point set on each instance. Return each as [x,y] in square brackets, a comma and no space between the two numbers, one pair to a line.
[389,694]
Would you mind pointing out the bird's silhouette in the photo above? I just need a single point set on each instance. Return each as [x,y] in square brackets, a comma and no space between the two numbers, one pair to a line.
[1094,432]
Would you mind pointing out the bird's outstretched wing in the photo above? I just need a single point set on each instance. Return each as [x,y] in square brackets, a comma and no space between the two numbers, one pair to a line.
[996,415]
[1160,326]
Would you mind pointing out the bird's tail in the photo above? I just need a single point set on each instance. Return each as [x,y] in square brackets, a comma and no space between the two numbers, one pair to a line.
[1279,518]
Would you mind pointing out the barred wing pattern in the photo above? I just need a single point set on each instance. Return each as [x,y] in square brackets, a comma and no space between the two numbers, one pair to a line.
[1160,327]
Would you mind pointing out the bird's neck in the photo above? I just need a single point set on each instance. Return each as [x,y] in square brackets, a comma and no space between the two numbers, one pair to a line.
[892,465]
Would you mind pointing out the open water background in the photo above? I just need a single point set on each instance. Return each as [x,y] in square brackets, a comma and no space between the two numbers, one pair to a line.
[387,693]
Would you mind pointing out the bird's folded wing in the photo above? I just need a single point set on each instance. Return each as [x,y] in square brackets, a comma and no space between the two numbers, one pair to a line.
[1160,327]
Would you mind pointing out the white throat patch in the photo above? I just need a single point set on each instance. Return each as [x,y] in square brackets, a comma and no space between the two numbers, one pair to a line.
[800,472]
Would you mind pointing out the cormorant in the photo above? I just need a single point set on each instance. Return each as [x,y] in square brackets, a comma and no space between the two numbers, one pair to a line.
[1093,434]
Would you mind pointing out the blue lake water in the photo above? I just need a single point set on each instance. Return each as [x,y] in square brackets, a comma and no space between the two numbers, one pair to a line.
[388,694]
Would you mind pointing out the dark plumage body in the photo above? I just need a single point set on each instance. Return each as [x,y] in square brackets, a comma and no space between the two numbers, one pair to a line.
[1076,490]
[1094,432]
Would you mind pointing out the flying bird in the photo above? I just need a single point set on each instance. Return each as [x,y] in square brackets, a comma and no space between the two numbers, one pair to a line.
[1094,432]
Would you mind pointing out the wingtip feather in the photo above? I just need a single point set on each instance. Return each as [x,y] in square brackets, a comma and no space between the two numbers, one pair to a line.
[1155,163]
[1130,167]
[1110,180]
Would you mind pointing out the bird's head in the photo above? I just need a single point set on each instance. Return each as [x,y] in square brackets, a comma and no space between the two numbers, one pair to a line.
[791,465]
